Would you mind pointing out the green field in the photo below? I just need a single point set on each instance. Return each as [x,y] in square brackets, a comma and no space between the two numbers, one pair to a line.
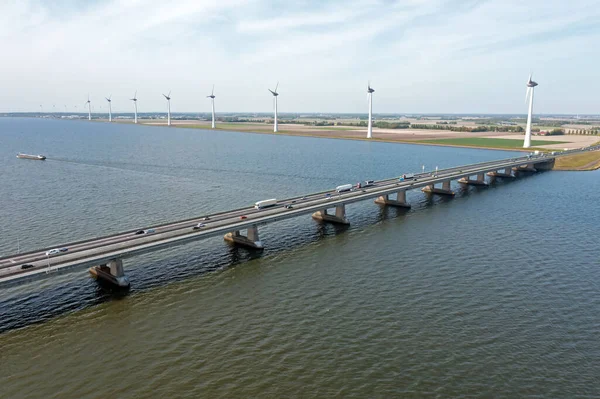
[488,142]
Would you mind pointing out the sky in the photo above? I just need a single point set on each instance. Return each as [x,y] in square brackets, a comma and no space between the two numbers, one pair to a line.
[421,56]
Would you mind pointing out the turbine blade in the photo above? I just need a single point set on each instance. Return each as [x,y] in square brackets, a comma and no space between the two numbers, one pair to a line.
[276,86]
[169,93]
[527,94]
[212,93]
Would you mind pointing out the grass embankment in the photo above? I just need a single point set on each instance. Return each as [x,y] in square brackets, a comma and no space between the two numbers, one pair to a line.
[483,142]
[259,127]
[586,161]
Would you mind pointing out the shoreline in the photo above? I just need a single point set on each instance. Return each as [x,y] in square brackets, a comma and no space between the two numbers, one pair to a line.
[376,139]
[327,134]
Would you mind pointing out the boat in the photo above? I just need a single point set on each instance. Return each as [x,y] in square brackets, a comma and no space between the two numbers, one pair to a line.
[27,156]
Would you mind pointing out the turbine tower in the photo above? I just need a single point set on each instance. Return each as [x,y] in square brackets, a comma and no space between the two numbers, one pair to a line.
[370,91]
[529,94]
[168,97]
[109,107]
[275,94]
[212,100]
[88,102]
[134,99]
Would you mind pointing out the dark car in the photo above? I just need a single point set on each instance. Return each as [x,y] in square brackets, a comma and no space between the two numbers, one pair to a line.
[140,232]
[206,218]
[243,217]
[63,249]
[27,266]
[289,206]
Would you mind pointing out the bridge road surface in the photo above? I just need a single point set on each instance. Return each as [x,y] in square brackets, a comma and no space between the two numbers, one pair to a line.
[100,250]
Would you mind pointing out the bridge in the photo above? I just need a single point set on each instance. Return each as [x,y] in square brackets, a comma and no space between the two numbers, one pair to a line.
[104,255]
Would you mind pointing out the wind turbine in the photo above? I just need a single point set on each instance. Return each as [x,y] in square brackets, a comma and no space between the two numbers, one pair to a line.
[275,94]
[529,95]
[134,99]
[212,100]
[168,97]
[88,102]
[109,107]
[370,91]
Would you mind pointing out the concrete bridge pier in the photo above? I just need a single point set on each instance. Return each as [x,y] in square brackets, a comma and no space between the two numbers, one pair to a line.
[507,173]
[339,217]
[479,181]
[111,272]
[546,165]
[400,200]
[530,167]
[445,190]
[250,240]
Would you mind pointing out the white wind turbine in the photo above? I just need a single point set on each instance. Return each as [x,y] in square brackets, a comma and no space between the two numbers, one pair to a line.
[109,107]
[370,91]
[212,100]
[89,104]
[134,99]
[275,94]
[529,95]
[168,97]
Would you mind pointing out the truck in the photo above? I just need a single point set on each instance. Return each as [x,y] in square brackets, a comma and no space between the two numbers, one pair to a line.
[265,203]
[344,187]
[407,176]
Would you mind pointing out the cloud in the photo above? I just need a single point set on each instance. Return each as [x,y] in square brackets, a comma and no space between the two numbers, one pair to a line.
[418,52]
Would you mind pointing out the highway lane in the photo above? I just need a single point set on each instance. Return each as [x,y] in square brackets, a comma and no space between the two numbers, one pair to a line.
[122,241]
[39,254]
[39,259]
[35,255]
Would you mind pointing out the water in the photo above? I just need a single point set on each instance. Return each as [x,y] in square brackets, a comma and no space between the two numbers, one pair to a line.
[491,294]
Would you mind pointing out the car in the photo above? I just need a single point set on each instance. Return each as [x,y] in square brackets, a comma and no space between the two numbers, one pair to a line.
[147,231]
[26,266]
[358,185]
[243,217]
[52,252]
[289,206]
[294,201]
[63,249]
[199,226]
[303,198]
[205,218]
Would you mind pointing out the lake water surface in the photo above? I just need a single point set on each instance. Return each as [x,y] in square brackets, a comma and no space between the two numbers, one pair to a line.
[494,293]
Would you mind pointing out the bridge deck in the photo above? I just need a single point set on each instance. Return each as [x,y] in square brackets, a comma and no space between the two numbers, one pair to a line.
[91,252]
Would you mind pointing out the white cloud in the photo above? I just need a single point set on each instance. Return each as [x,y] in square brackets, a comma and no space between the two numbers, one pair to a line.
[423,55]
